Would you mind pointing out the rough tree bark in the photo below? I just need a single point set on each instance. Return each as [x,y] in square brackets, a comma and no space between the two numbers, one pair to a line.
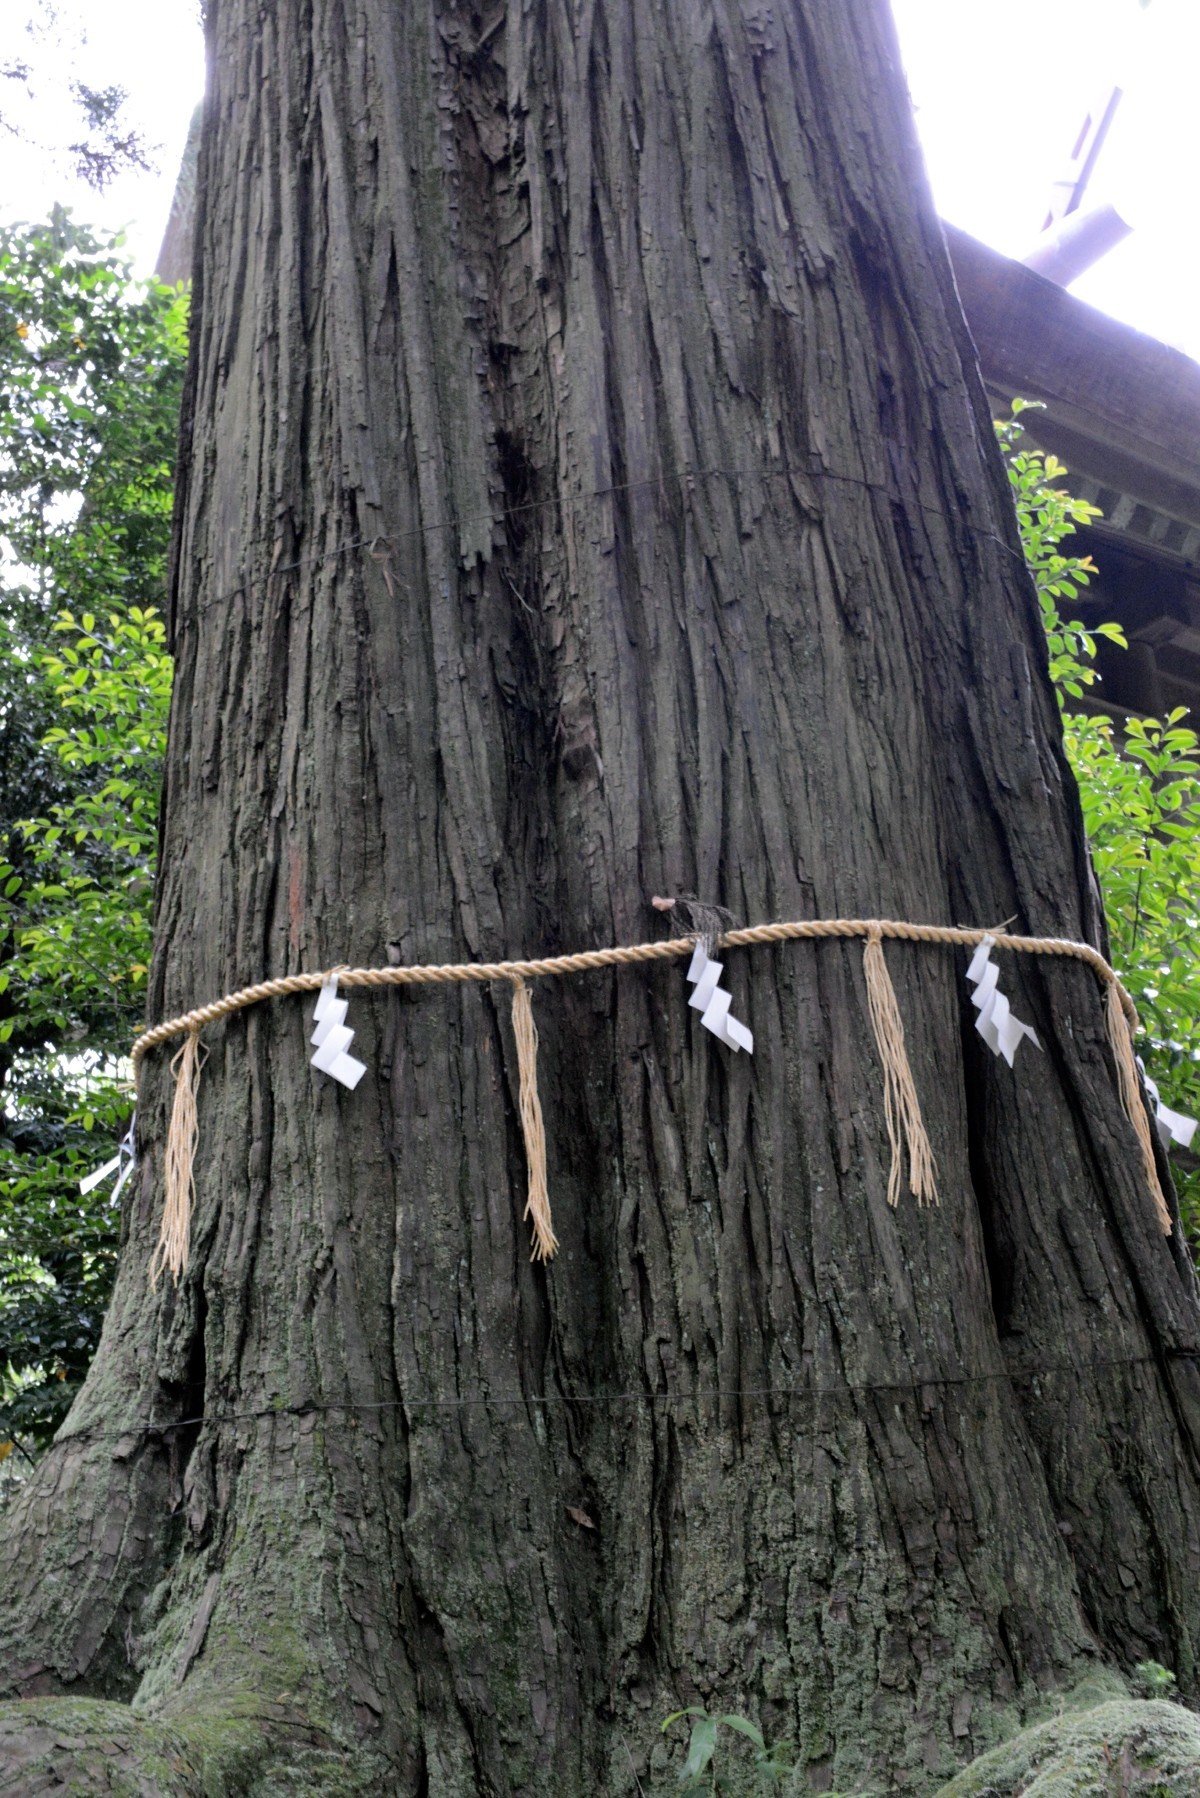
[630,330]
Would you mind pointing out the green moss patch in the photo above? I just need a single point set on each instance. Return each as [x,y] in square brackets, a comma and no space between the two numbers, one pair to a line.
[1138,1749]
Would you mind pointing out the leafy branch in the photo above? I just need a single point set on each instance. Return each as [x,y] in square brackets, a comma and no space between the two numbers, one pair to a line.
[1139,787]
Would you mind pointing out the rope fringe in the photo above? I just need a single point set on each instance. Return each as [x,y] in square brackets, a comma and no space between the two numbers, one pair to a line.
[179,1159]
[901,1107]
[1130,1086]
[537,1206]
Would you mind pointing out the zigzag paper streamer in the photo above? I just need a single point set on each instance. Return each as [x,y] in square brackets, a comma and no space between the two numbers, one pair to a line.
[1173,1126]
[713,1002]
[332,1038]
[122,1165]
[1000,1029]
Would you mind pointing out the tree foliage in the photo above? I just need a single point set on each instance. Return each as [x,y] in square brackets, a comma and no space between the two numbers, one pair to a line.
[1139,783]
[90,371]
[43,70]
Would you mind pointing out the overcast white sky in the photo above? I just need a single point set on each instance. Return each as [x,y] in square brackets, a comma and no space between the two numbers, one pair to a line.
[1000,86]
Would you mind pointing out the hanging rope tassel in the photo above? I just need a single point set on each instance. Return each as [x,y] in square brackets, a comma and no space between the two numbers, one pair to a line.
[1121,1040]
[902,1108]
[537,1206]
[179,1162]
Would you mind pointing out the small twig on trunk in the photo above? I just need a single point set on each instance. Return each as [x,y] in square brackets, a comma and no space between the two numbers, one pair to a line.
[1137,912]
[632,1764]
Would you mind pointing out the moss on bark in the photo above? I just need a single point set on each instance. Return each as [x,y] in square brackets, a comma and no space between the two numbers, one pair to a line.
[89,1746]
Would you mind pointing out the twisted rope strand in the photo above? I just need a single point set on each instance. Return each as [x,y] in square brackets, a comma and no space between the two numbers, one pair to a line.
[537,1205]
[589,961]
[1130,1086]
[183,1133]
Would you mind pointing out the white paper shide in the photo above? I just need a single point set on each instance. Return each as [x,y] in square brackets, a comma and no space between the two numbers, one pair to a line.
[711,1000]
[332,1038]
[1173,1126]
[1000,1029]
[122,1165]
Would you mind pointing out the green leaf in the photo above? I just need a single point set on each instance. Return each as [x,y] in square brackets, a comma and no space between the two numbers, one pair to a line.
[745,1728]
[691,1711]
[700,1748]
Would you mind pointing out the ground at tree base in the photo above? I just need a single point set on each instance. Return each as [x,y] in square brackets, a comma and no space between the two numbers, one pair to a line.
[1118,1748]
[87,1746]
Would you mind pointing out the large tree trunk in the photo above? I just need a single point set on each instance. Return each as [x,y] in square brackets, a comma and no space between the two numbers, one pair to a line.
[587,493]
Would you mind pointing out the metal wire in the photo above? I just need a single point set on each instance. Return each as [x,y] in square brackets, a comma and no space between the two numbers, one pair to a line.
[387,542]
[715,1394]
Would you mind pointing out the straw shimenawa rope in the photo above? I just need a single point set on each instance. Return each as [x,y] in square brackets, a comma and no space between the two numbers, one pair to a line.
[1130,1084]
[901,1107]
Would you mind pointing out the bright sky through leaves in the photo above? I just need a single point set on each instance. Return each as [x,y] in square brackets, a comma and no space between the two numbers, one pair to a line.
[1001,87]
[154,49]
